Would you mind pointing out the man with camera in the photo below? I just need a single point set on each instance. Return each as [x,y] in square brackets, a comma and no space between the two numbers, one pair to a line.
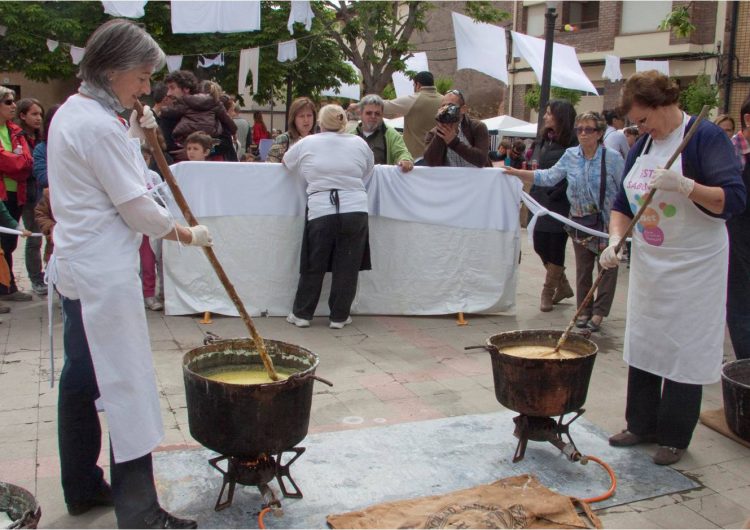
[457,140]
[386,143]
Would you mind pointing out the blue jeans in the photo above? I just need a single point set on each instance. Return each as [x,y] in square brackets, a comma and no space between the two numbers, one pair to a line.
[738,286]
[80,435]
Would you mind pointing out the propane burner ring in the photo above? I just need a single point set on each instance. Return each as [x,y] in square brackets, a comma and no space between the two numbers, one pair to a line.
[546,429]
[257,471]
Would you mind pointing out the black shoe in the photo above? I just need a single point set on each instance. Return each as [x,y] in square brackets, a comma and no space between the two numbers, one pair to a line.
[102,498]
[164,519]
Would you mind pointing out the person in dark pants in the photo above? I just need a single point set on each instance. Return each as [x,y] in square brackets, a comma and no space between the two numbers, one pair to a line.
[102,209]
[738,286]
[336,228]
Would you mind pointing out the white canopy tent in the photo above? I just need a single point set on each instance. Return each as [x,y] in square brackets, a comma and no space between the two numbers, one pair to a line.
[498,124]
[396,123]
[521,131]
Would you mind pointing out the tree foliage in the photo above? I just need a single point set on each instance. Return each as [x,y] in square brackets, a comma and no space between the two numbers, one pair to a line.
[533,94]
[678,21]
[698,93]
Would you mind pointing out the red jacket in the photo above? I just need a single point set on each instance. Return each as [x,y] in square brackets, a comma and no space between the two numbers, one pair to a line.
[15,166]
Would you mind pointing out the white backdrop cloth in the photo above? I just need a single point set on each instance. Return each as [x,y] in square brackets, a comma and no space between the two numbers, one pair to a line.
[345,90]
[442,240]
[126,8]
[645,66]
[481,47]
[566,70]
[215,16]
[403,85]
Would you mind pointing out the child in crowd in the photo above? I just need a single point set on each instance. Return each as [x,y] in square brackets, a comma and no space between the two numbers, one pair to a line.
[150,251]
[198,146]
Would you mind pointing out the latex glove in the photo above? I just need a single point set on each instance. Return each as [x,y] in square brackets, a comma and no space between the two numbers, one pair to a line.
[25,233]
[406,165]
[609,259]
[668,180]
[147,121]
[201,236]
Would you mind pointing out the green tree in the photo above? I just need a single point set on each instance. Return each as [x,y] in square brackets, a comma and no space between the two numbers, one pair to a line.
[678,21]
[531,98]
[698,93]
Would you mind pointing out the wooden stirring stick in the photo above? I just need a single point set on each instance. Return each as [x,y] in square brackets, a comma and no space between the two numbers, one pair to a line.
[218,269]
[631,226]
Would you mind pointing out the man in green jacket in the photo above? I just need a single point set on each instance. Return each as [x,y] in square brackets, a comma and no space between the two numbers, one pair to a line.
[386,143]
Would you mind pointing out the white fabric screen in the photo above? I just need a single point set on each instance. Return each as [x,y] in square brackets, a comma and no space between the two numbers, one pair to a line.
[403,84]
[481,47]
[201,16]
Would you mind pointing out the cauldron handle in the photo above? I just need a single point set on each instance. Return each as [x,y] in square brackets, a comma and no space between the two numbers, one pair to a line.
[491,348]
[309,375]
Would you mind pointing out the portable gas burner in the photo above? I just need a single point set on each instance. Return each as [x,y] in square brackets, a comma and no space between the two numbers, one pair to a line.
[257,472]
[546,429]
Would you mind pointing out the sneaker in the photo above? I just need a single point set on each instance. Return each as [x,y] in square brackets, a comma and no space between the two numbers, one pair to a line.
[164,519]
[666,456]
[340,325]
[153,303]
[627,438]
[102,498]
[299,322]
[39,289]
[16,296]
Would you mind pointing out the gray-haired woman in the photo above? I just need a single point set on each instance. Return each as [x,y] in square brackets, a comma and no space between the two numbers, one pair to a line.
[102,207]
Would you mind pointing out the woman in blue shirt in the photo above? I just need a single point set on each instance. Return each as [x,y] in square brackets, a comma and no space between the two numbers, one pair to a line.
[591,198]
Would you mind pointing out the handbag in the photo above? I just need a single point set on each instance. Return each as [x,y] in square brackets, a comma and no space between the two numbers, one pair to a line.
[595,220]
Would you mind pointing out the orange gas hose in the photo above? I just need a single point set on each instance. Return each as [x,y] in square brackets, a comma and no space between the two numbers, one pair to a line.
[261,515]
[612,478]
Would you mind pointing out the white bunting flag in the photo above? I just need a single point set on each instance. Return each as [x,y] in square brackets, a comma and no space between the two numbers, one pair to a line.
[174,62]
[300,12]
[481,47]
[287,51]
[52,45]
[76,54]
[612,68]
[205,62]
[249,59]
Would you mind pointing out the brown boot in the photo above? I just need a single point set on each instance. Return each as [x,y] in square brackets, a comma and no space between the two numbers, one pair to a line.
[564,290]
[548,291]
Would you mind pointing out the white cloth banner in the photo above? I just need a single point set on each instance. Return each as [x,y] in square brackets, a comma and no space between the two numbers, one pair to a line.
[3,30]
[249,60]
[215,16]
[481,47]
[174,62]
[566,70]
[537,211]
[124,8]
[287,51]
[345,90]
[300,12]
[612,69]
[401,82]
[52,44]
[205,62]
[76,54]
[645,66]
[443,240]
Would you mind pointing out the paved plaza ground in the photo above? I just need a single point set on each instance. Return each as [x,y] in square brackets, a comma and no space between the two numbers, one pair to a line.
[386,370]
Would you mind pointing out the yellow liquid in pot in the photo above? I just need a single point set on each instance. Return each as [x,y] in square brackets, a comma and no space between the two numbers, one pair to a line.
[243,376]
[539,352]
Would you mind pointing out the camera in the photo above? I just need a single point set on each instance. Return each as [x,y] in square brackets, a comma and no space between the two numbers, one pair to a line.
[450,114]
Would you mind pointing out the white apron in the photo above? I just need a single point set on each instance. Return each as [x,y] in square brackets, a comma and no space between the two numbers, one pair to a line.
[104,275]
[678,279]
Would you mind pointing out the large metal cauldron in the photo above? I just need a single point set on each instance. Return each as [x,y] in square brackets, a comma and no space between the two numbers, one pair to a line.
[248,420]
[541,387]
[735,385]
[20,505]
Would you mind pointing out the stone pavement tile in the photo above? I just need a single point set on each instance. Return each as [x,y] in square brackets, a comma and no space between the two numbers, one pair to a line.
[718,478]
[330,411]
[426,388]
[653,503]
[19,390]
[20,433]
[391,391]
[414,409]
[626,519]
[25,415]
[739,495]
[459,384]
[16,451]
[677,515]
[21,471]
[709,447]
[719,509]
[743,523]
[55,515]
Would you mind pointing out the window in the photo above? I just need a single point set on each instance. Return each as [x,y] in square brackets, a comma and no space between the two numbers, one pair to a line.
[643,17]
[535,20]
[582,15]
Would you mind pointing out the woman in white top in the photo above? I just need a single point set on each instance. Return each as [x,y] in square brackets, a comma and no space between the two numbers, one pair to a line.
[336,228]
[102,207]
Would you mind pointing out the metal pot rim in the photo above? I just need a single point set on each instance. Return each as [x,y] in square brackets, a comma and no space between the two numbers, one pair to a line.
[728,379]
[540,331]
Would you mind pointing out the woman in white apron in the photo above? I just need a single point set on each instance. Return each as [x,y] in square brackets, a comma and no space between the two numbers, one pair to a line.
[676,302]
[98,192]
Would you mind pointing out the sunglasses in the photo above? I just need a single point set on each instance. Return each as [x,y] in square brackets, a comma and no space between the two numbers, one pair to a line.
[587,130]
[9,102]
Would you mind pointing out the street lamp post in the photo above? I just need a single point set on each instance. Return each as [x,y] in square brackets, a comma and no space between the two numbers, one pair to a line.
[549,40]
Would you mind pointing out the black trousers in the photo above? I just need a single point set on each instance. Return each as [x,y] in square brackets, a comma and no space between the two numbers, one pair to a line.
[738,286]
[33,250]
[550,246]
[336,243]
[9,242]
[656,405]
[80,435]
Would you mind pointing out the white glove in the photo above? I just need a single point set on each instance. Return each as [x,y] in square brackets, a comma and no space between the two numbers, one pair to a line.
[147,121]
[668,180]
[201,236]
[609,259]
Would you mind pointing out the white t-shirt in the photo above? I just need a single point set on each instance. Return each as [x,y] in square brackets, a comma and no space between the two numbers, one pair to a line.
[332,161]
[93,167]
[616,140]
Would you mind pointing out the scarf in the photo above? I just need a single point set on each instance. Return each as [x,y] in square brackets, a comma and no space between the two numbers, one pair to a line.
[105,97]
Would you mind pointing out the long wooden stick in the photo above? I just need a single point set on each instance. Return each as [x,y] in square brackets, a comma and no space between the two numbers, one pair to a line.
[209,251]
[631,226]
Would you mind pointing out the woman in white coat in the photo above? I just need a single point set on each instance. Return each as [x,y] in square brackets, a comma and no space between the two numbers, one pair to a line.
[102,207]
[674,334]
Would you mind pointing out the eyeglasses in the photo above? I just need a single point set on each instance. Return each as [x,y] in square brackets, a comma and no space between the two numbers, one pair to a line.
[9,102]
[587,130]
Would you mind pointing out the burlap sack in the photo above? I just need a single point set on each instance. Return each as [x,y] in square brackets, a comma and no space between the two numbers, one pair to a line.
[515,502]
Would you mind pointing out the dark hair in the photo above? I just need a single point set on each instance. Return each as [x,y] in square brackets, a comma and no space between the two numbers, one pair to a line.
[457,92]
[48,119]
[158,91]
[649,89]
[298,105]
[724,117]
[610,115]
[519,147]
[745,109]
[200,138]
[23,107]
[183,79]
[598,120]
[631,131]
[424,79]
[565,118]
